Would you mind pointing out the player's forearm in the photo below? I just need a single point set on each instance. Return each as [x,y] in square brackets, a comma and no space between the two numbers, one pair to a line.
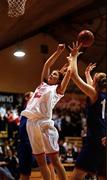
[55,55]
[53,58]
[84,87]
[74,65]
[66,80]
[51,61]
[89,79]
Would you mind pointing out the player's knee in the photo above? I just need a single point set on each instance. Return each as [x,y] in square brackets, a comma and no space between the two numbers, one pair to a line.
[55,160]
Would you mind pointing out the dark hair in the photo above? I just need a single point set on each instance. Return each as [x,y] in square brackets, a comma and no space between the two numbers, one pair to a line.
[26,98]
[27,94]
[101,82]
[61,76]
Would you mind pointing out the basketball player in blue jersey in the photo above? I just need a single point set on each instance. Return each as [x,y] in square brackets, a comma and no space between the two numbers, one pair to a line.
[89,80]
[42,134]
[92,157]
[24,147]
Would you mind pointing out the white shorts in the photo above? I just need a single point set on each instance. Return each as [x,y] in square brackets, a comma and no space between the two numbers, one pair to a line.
[43,136]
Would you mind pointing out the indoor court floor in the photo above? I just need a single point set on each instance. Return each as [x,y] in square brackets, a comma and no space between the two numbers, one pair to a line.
[37,176]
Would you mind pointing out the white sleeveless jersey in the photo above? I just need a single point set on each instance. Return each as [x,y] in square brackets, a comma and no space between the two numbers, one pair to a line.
[42,102]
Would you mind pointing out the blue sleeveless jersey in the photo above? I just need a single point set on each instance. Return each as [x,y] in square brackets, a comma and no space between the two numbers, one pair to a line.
[97,118]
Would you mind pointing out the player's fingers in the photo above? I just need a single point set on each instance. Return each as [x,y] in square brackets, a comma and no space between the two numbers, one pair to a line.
[94,65]
[70,48]
[73,45]
[80,45]
[90,64]
[80,53]
[76,43]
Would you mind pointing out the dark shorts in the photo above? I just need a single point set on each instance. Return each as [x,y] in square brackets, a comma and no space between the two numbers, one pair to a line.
[26,159]
[24,149]
[92,158]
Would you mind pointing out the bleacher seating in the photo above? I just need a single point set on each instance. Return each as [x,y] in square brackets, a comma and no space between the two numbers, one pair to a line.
[72,140]
[3,134]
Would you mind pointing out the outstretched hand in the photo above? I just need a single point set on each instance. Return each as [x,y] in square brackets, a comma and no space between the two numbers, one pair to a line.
[75,49]
[90,67]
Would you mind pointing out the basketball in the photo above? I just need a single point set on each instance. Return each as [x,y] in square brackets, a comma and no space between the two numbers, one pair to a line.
[85,37]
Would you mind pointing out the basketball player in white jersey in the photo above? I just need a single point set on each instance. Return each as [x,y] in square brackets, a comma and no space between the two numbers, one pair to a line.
[41,131]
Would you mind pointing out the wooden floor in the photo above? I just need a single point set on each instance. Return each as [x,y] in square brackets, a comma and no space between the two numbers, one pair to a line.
[36,175]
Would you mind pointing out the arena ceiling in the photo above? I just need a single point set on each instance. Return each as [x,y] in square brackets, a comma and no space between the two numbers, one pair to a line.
[62,20]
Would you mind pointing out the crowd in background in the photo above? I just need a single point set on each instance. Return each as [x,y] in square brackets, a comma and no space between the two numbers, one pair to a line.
[70,116]
[70,120]
[9,162]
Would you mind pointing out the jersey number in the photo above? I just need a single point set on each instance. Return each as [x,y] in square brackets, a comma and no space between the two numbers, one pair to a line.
[103,108]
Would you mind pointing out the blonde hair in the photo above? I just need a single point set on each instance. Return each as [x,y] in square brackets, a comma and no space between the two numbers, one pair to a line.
[101,81]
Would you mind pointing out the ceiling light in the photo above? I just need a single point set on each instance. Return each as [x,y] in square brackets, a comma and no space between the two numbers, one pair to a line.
[19,53]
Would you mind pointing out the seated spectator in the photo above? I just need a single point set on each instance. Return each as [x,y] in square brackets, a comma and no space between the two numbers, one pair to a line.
[62,151]
[6,146]
[12,164]
[5,173]
[69,156]
[75,151]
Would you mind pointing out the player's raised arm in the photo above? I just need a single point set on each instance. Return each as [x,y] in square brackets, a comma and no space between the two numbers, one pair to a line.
[86,88]
[67,71]
[51,61]
[88,70]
